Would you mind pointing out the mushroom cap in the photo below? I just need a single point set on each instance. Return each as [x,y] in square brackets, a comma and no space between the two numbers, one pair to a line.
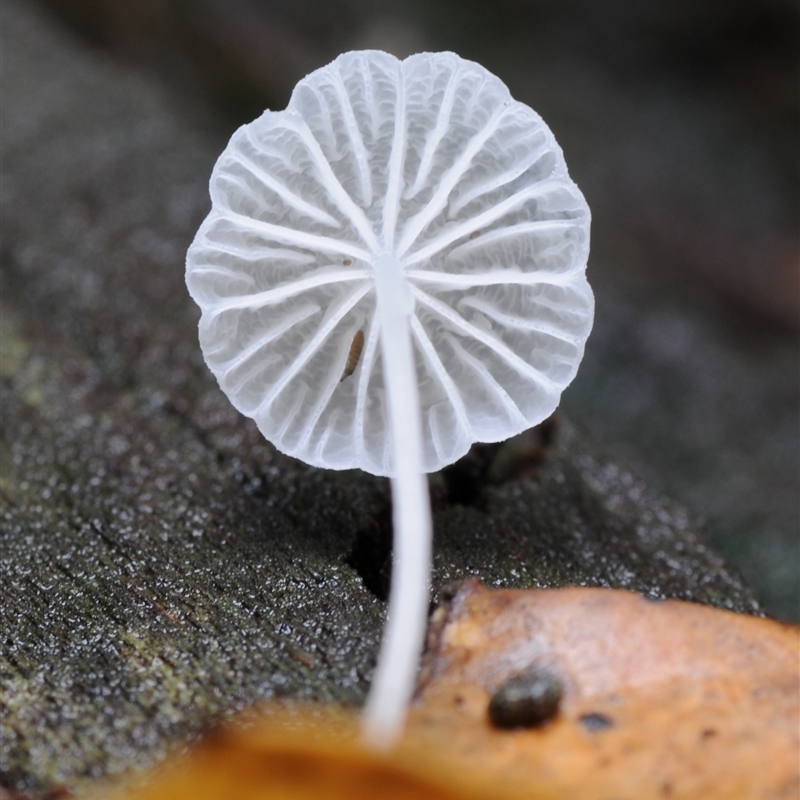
[490,232]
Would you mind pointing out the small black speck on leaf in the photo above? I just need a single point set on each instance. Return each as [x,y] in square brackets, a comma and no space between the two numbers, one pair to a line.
[526,700]
[595,722]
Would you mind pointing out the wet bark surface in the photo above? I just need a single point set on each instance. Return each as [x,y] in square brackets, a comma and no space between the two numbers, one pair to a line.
[679,122]
[162,565]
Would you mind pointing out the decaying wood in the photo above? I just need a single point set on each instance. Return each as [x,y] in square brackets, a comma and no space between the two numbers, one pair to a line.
[161,565]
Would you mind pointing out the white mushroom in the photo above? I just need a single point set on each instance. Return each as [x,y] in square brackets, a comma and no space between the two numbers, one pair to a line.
[393,269]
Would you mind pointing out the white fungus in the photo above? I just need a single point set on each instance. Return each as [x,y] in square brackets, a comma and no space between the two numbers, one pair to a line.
[411,211]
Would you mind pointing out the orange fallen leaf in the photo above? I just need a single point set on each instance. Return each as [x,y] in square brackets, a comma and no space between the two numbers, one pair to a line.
[657,700]
[299,753]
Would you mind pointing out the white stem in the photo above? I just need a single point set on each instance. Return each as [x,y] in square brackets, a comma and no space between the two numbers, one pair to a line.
[404,634]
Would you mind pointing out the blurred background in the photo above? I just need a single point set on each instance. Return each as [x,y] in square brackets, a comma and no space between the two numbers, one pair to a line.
[679,120]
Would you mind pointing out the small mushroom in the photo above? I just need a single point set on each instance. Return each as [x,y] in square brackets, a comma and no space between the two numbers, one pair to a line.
[417,202]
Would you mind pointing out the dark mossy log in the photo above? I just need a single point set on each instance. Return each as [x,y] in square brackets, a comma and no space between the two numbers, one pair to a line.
[162,566]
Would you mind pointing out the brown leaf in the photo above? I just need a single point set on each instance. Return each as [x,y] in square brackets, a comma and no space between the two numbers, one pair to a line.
[659,699]
[299,753]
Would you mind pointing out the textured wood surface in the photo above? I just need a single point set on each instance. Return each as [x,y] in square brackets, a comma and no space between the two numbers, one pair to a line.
[161,565]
